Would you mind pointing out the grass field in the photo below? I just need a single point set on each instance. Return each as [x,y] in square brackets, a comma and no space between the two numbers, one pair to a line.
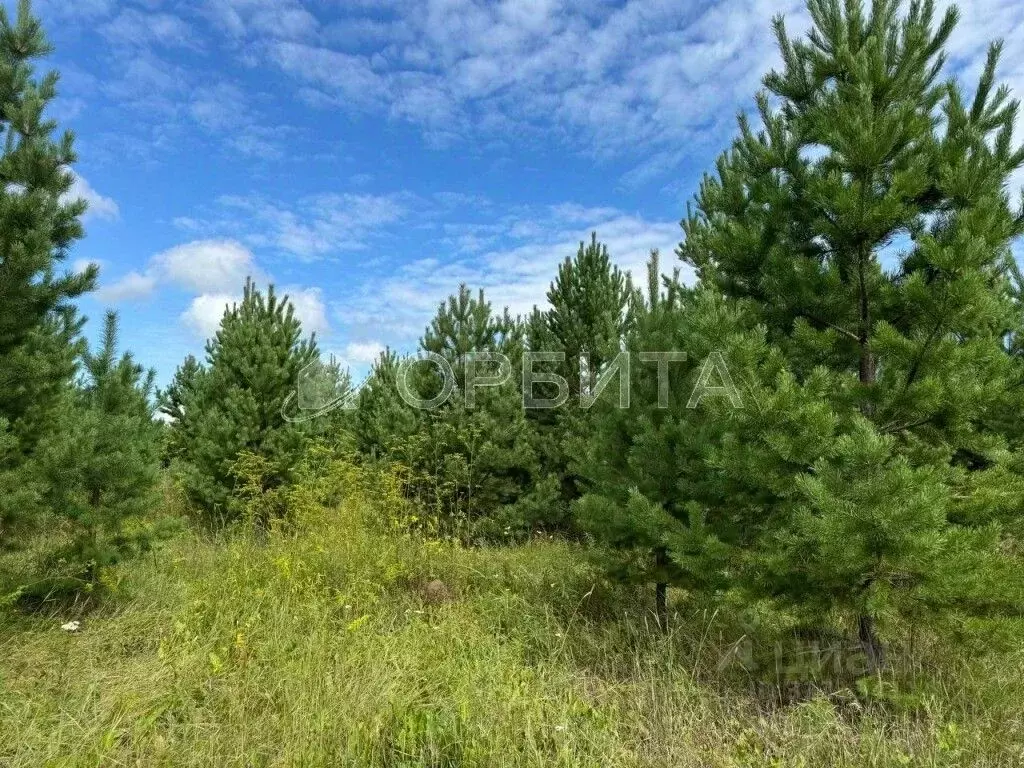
[325,648]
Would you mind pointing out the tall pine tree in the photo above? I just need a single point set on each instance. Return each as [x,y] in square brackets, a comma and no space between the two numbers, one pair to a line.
[383,422]
[587,316]
[171,401]
[39,330]
[586,320]
[660,511]
[100,464]
[236,404]
[868,226]
[473,454]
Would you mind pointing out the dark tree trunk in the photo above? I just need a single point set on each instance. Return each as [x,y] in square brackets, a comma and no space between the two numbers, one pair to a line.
[661,589]
[868,374]
[661,605]
[874,650]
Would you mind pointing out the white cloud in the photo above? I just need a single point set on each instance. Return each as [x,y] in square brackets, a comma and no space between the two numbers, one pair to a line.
[258,142]
[131,287]
[223,109]
[216,271]
[649,80]
[285,19]
[81,9]
[219,107]
[137,29]
[166,89]
[205,312]
[207,266]
[348,77]
[100,207]
[614,78]
[363,352]
[187,223]
[309,309]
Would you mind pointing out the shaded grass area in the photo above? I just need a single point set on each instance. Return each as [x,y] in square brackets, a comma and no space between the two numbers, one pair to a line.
[323,648]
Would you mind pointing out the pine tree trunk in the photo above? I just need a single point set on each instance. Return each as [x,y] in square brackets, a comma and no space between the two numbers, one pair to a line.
[868,367]
[874,650]
[661,604]
[661,589]
[868,371]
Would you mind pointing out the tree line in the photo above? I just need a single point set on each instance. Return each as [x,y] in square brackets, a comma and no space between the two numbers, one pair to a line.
[854,272]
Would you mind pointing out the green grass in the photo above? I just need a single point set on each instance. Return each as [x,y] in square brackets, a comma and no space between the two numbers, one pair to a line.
[320,649]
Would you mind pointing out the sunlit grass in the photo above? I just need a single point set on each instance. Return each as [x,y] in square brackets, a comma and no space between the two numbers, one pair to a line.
[322,648]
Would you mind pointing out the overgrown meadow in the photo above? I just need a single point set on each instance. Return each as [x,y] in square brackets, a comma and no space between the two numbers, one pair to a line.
[319,643]
[768,518]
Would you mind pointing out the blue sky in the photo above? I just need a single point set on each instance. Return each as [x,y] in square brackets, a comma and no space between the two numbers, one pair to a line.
[367,156]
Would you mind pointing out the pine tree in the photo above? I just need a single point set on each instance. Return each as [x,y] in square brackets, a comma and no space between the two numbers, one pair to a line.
[171,402]
[101,463]
[18,488]
[868,227]
[587,316]
[39,330]
[330,420]
[252,367]
[184,383]
[473,454]
[383,422]
[462,326]
[659,510]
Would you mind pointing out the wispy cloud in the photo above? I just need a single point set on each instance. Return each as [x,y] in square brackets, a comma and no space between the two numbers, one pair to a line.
[224,110]
[612,79]
[80,9]
[219,106]
[309,229]
[513,259]
[163,68]
[133,29]
[148,84]
[286,19]
[648,81]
